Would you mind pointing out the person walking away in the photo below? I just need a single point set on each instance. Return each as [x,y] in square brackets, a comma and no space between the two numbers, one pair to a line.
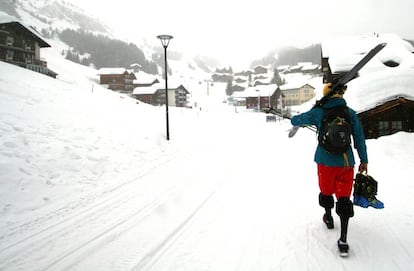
[335,163]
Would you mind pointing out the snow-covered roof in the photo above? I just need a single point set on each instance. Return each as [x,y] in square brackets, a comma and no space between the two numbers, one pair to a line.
[145,90]
[296,67]
[105,71]
[145,78]
[6,19]
[263,79]
[378,82]
[262,90]
[294,85]
[373,89]
[344,52]
[157,86]
[310,67]
[260,67]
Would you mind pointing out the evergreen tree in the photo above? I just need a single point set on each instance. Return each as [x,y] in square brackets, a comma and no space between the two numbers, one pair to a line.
[276,78]
[229,87]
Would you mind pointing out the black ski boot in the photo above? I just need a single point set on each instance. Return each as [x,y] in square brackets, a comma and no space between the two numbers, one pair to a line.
[328,220]
[343,248]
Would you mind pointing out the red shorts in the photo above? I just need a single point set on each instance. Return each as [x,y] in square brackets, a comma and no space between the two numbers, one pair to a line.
[336,180]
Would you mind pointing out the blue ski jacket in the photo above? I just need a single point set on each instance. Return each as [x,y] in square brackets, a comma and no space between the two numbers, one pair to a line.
[322,156]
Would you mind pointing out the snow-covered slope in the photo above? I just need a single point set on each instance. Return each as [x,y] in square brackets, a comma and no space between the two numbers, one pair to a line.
[88,182]
[53,15]
[49,16]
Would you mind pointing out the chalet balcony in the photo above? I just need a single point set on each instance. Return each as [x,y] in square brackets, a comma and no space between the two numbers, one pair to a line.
[18,47]
[24,62]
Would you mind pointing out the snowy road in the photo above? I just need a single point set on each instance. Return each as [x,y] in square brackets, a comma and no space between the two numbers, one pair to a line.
[189,203]
[234,200]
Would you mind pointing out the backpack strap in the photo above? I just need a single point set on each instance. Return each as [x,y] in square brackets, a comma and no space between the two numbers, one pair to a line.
[346,159]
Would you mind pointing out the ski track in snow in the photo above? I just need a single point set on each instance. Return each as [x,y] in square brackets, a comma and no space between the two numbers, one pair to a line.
[250,213]
[75,219]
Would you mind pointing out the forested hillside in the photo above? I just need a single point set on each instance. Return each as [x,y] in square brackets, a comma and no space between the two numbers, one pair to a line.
[291,56]
[101,51]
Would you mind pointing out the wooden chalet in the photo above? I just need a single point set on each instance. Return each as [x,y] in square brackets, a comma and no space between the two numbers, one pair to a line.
[155,95]
[117,79]
[20,45]
[259,97]
[260,70]
[146,94]
[387,118]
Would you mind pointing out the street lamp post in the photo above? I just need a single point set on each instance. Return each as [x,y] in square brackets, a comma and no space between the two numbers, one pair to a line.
[165,40]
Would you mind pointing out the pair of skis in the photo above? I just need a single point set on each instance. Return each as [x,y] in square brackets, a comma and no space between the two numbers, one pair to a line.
[344,80]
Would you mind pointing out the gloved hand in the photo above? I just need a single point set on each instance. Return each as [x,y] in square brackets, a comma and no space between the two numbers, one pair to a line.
[363,167]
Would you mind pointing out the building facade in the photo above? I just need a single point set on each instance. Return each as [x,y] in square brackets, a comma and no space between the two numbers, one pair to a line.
[388,118]
[155,95]
[117,79]
[296,95]
[20,45]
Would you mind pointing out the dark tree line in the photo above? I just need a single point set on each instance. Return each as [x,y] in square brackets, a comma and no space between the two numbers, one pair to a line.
[291,56]
[224,70]
[104,52]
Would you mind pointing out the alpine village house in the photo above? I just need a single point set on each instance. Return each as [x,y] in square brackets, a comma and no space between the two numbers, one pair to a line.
[20,45]
[155,94]
[151,92]
[118,79]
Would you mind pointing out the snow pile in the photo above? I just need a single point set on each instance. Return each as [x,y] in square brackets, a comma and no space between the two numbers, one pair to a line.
[388,75]
[345,52]
[376,88]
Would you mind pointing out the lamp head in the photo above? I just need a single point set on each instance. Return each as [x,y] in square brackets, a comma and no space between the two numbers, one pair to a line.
[165,40]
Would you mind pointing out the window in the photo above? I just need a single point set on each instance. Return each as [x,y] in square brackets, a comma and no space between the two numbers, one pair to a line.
[383,128]
[9,55]
[389,127]
[396,125]
[9,41]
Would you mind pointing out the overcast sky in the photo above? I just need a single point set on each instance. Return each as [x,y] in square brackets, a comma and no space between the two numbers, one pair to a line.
[243,30]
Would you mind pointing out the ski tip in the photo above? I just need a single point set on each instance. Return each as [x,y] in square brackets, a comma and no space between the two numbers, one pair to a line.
[378,48]
[382,44]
